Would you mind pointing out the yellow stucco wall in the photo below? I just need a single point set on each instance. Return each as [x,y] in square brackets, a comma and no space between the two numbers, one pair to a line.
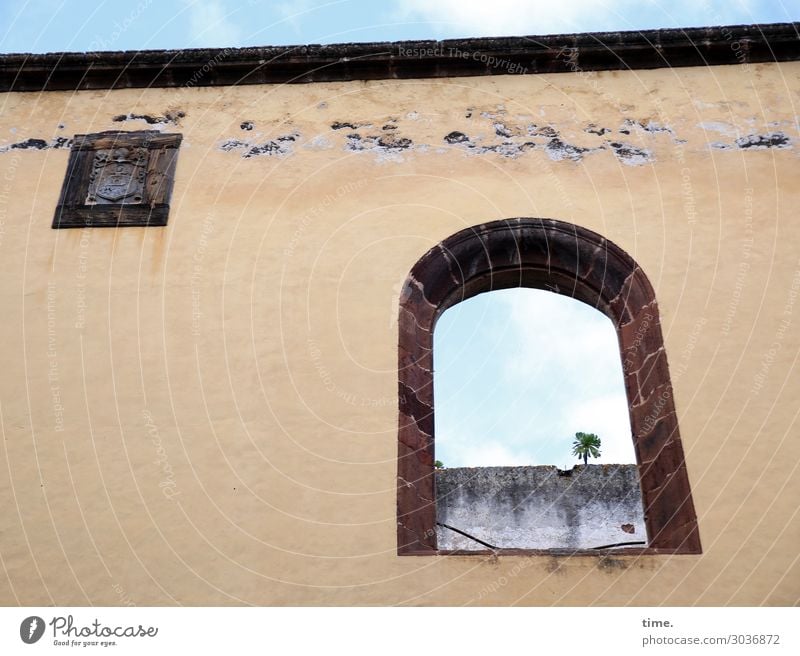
[206,413]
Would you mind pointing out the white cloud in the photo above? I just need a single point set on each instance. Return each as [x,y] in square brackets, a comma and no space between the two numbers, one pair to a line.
[491,454]
[520,17]
[575,347]
[477,17]
[570,341]
[210,24]
[519,372]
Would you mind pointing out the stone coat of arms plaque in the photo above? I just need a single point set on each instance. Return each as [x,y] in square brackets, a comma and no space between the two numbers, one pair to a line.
[118,179]
[118,176]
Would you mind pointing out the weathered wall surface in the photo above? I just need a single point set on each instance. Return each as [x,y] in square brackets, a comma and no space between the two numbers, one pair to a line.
[207,413]
[539,507]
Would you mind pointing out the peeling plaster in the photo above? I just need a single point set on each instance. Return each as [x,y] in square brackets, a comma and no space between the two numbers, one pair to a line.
[756,142]
[502,131]
[558,150]
[764,141]
[386,146]
[544,131]
[38,144]
[320,142]
[718,126]
[630,155]
[473,146]
[593,129]
[456,137]
[281,146]
[341,125]
[172,116]
[513,146]
[651,126]
[497,133]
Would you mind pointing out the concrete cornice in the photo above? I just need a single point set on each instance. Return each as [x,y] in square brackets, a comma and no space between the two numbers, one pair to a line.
[669,48]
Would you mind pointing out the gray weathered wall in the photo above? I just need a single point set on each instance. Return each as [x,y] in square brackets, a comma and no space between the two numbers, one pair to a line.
[540,507]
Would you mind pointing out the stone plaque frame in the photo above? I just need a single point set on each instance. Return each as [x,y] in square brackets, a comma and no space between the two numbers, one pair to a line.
[117,179]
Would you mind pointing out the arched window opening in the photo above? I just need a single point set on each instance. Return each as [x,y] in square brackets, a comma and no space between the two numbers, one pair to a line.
[518,373]
[569,260]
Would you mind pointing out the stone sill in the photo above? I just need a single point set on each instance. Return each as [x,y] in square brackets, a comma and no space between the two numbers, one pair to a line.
[623,551]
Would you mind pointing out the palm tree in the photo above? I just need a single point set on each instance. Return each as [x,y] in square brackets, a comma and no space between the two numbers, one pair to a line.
[585,445]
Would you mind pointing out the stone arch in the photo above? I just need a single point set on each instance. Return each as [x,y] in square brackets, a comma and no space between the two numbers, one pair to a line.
[566,259]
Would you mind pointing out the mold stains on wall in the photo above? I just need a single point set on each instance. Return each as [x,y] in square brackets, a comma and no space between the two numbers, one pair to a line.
[171,116]
[38,144]
[535,507]
[611,565]
[554,565]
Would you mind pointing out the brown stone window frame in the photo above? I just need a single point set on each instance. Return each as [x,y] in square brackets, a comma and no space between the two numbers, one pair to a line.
[149,208]
[576,262]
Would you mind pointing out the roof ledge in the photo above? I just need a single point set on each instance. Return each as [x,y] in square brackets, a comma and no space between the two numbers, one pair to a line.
[602,51]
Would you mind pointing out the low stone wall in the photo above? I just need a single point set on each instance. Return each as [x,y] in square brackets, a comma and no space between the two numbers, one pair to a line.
[539,507]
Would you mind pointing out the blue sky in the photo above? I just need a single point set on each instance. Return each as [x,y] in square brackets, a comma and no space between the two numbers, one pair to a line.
[511,386]
[518,373]
[79,25]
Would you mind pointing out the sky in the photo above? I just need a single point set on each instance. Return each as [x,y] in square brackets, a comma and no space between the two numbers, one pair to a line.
[518,372]
[79,25]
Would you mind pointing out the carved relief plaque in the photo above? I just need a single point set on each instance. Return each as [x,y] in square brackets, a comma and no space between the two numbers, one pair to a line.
[118,179]
[118,176]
